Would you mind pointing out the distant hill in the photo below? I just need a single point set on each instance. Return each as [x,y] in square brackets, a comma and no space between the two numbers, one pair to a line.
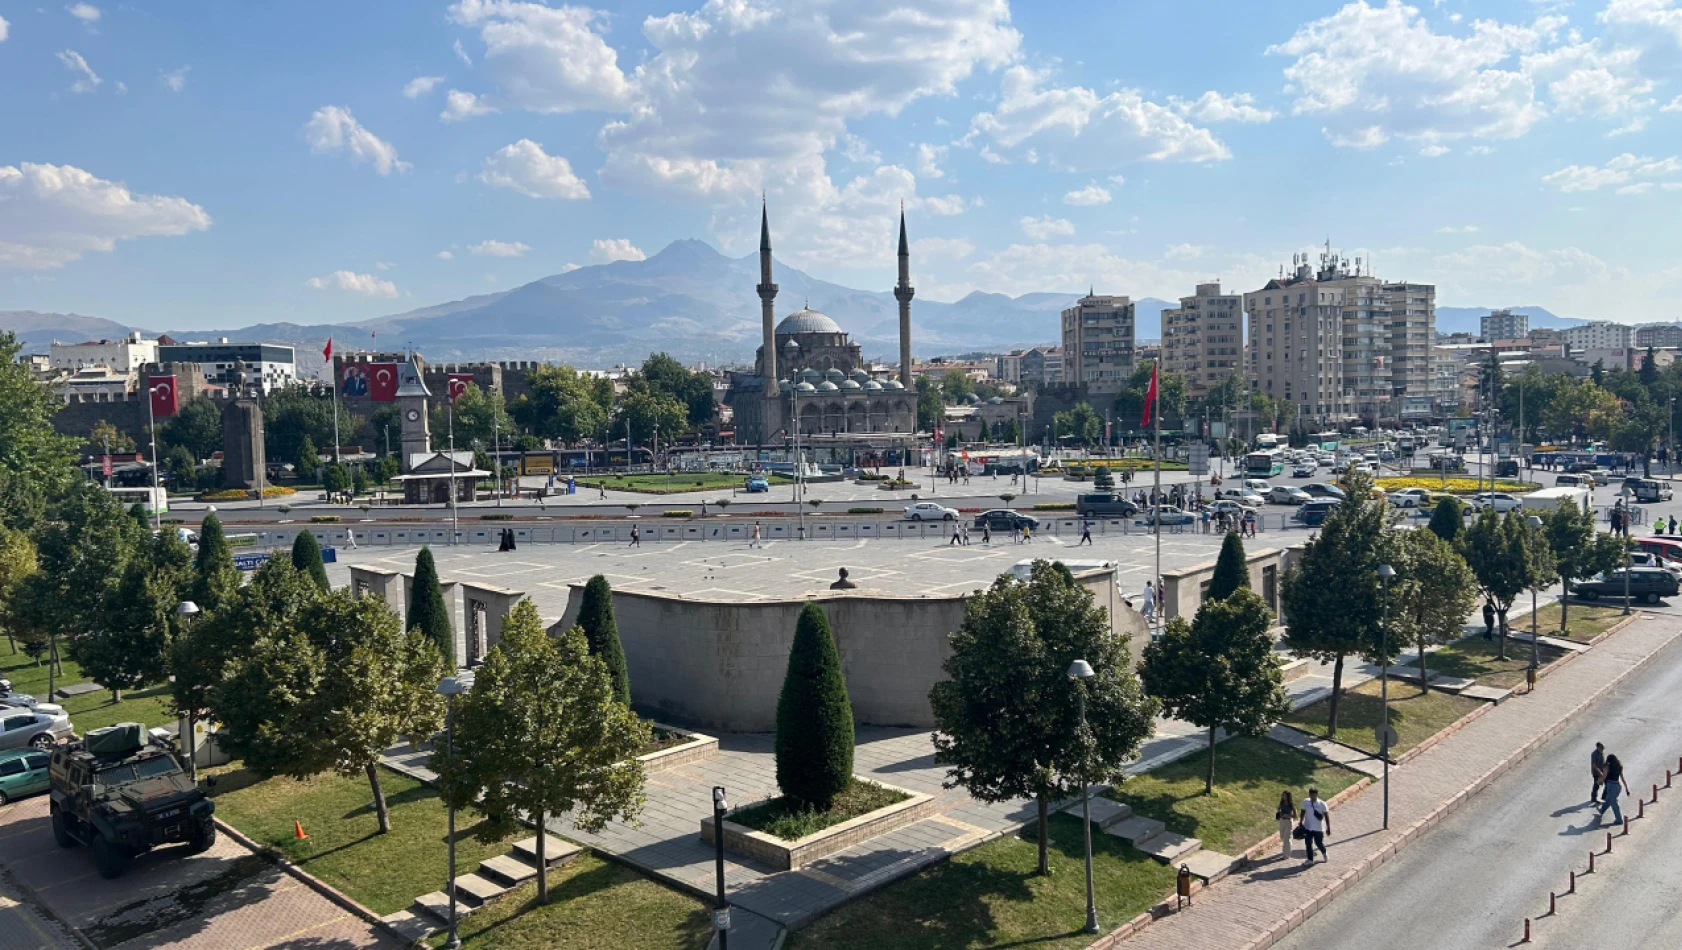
[37,331]
[1467,319]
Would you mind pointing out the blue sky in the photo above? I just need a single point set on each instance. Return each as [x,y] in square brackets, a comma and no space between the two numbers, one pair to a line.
[194,164]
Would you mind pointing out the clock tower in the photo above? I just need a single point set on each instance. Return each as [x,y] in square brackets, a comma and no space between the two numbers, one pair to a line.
[412,399]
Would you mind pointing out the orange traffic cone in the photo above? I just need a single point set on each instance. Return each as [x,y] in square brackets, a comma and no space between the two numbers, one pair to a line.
[298,830]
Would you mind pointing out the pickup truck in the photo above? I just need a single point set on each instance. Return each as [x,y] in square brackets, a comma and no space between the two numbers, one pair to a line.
[1104,505]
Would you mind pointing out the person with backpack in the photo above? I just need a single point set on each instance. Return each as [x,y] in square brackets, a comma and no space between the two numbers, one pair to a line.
[1612,783]
[1316,825]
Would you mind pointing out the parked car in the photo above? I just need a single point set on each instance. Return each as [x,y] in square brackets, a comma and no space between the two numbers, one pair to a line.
[1230,507]
[1288,495]
[1647,490]
[10,698]
[1323,490]
[1506,468]
[1314,513]
[1573,481]
[1649,559]
[1005,519]
[1304,470]
[1500,501]
[23,772]
[1411,498]
[39,727]
[929,511]
[755,484]
[1645,583]
[1169,515]
[1104,505]
[1668,548]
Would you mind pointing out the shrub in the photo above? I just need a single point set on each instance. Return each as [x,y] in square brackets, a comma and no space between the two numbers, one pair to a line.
[864,511]
[426,609]
[814,745]
[306,557]
[1231,570]
[324,519]
[676,513]
[1055,506]
[503,516]
[595,615]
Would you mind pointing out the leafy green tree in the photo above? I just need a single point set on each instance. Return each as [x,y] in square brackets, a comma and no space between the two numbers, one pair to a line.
[542,734]
[1218,672]
[81,553]
[387,468]
[955,384]
[215,577]
[107,436]
[1447,518]
[645,411]
[17,561]
[1232,569]
[1431,594]
[359,482]
[1080,421]
[1581,409]
[814,745]
[1170,391]
[595,615]
[564,404]
[1330,599]
[426,610]
[1008,718]
[665,375]
[1102,480]
[931,404]
[1507,558]
[196,427]
[293,413]
[308,464]
[178,465]
[1579,550]
[306,557]
[36,463]
[128,646]
[480,416]
[334,478]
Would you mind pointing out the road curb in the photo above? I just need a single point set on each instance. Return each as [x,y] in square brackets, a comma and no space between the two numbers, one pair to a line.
[312,882]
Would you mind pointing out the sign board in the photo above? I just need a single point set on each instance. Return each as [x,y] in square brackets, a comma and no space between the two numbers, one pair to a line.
[1197,459]
[721,918]
[251,562]
[243,540]
[105,466]
[1379,734]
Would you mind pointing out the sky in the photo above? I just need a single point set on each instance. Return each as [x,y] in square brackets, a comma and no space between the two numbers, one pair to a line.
[193,165]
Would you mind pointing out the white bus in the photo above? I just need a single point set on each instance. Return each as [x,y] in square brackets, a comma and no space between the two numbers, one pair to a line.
[151,500]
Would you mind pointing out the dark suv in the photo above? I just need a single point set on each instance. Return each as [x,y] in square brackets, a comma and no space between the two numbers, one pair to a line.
[1645,583]
[121,796]
[1005,519]
[1104,505]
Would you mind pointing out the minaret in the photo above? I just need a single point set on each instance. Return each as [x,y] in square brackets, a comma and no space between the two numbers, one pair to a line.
[767,300]
[903,293]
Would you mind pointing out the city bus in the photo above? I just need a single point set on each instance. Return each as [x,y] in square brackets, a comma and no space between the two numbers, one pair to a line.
[1264,464]
[151,500]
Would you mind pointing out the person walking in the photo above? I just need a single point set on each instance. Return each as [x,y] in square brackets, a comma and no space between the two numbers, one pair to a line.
[1611,785]
[755,542]
[1149,606]
[636,537]
[1488,620]
[1027,533]
[955,536]
[986,534]
[1287,815]
[1161,597]
[1597,768]
[1316,825]
[1085,533]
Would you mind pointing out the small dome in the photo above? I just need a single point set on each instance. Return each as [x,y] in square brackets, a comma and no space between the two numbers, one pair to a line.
[893,385]
[791,344]
[997,400]
[972,399]
[806,388]
[860,375]
[811,375]
[828,387]
[807,320]
[851,385]
[873,386]
[834,375]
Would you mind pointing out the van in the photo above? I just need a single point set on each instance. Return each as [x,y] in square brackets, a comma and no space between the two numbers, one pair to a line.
[1573,481]
[1648,490]
[1258,485]
[1104,505]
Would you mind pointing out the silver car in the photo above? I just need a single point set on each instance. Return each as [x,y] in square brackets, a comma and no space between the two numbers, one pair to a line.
[40,727]
[10,698]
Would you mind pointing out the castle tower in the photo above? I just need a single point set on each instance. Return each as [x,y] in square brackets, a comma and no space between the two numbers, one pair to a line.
[767,300]
[412,398]
[903,293]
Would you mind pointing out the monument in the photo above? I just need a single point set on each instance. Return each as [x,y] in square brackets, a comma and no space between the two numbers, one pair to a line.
[243,459]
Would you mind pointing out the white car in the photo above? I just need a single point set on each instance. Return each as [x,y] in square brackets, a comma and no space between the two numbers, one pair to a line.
[929,511]
[1230,507]
[1287,495]
[1500,501]
[1411,498]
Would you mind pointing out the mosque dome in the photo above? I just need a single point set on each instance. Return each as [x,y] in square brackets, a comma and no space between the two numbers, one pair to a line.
[834,375]
[806,388]
[851,385]
[828,387]
[873,386]
[807,320]
[893,385]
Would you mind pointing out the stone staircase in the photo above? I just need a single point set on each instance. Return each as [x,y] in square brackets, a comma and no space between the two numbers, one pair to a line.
[496,876]
[1153,838]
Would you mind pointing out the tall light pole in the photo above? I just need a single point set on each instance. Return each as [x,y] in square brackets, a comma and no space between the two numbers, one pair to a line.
[450,687]
[187,610]
[721,910]
[1080,673]
[1535,524]
[1385,572]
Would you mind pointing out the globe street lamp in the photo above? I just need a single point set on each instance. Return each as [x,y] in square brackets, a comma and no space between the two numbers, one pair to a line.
[721,910]
[1535,524]
[1385,573]
[1080,673]
[187,610]
[450,687]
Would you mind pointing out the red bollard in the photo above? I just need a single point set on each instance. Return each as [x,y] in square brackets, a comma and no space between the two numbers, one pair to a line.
[1641,809]
[1591,862]
[1573,889]
[1626,824]
[1552,903]
[1666,778]
[1526,931]
[1608,842]
[1655,794]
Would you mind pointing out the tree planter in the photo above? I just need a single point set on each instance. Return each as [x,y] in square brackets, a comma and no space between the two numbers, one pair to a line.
[698,747]
[788,855]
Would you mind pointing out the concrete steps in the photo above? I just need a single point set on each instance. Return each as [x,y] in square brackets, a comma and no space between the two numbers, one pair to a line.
[1147,834]
[1211,866]
[477,890]
[1168,847]
[495,877]
[507,870]
[555,851]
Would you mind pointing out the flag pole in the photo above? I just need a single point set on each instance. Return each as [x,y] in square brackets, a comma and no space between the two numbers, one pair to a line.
[152,418]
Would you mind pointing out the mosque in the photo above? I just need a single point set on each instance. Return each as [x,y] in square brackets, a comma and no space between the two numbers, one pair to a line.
[809,369]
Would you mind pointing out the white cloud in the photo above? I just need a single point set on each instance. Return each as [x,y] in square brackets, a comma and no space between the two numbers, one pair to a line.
[5,29]
[1621,170]
[1661,15]
[86,12]
[1639,188]
[175,79]
[858,151]
[1023,268]
[500,248]
[929,159]
[604,250]
[445,255]
[461,54]
[420,86]
[1434,151]
[460,105]
[1480,150]
[1078,129]
[549,59]
[74,62]
[1591,79]
[941,249]
[332,129]
[1092,194]
[1214,107]
[1182,252]
[383,265]
[569,267]
[526,168]
[51,215]
[1451,229]
[1046,226]
[365,284]
[1674,105]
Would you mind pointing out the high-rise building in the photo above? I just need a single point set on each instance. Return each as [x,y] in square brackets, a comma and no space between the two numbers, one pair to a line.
[1600,335]
[123,357]
[1203,338]
[1098,343]
[1503,325]
[1660,335]
[265,367]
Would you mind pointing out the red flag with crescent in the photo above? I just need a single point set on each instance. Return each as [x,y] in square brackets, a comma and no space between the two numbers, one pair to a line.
[459,383]
[382,382]
[1150,399]
[163,395]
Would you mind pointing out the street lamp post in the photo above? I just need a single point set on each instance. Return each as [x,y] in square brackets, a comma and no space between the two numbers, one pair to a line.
[450,687]
[1080,672]
[1535,524]
[1385,573]
[721,910]
[187,610]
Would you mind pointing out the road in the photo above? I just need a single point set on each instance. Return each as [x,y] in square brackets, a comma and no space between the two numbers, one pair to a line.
[1472,880]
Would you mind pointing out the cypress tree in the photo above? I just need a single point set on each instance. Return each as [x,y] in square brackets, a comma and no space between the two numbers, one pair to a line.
[814,717]
[1447,521]
[216,579]
[1231,571]
[595,615]
[427,610]
[306,557]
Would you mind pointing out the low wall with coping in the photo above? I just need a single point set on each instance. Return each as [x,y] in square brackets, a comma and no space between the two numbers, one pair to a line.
[1185,586]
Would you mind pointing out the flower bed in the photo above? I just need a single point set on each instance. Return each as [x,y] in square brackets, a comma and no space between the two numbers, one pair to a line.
[676,513]
[1458,485]
[1055,506]
[835,830]
[864,511]
[671,747]
[240,494]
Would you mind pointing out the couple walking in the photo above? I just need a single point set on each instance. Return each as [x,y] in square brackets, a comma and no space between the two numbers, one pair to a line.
[1608,782]
[1312,824]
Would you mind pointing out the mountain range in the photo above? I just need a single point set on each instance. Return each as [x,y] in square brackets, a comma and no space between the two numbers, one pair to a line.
[690,300]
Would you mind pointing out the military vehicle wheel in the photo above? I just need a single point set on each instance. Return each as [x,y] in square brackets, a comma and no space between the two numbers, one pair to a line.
[109,858]
[61,831]
[204,838]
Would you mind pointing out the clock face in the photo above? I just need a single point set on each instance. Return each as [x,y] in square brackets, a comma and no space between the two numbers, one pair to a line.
[414,415]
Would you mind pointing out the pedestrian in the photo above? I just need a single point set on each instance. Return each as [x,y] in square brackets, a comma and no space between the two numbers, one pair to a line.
[636,537]
[1488,620]
[963,532]
[603,487]
[1161,595]
[1027,533]
[955,537]
[1149,604]
[986,534]
[1597,768]
[1611,785]
[1286,815]
[1085,533]
[350,538]
[1316,825]
[1204,518]
[755,542]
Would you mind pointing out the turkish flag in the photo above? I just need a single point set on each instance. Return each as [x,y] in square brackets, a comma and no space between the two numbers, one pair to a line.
[459,383]
[327,351]
[382,382]
[163,395]
[1150,399]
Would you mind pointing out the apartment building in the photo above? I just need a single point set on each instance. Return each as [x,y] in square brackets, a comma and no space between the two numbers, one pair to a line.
[1296,344]
[1411,310]
[1098,341]
[266,366]
[123,357]
[1203,338]
[1503,325]
[1600,335]
[1041,366]
[1659,335]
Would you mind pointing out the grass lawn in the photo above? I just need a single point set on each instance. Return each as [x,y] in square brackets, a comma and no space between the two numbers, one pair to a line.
[384,872]
[1415,717]
[90,710]
[672,484]
[1474,658]
[1249,775]
[1585,622]
[593,905]
[990,897]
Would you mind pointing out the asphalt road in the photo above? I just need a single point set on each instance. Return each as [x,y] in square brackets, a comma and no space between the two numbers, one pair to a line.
[1471,881]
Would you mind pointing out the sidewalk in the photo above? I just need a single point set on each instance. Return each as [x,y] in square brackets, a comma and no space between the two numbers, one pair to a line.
[1254,908]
